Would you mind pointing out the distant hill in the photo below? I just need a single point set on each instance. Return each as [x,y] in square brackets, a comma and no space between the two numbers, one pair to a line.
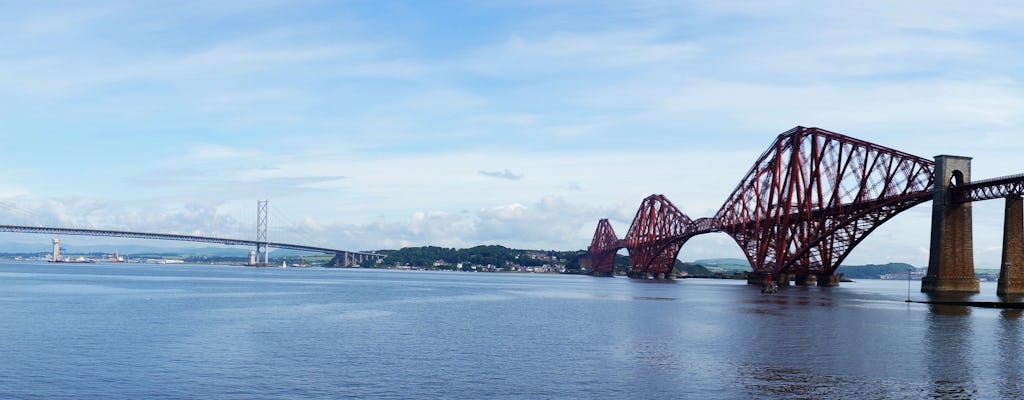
[694,269]
[433,256]
[872,271]
[493,255]
[728,264]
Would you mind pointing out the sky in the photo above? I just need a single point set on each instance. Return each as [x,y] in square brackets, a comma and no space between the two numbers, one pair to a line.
[383,124]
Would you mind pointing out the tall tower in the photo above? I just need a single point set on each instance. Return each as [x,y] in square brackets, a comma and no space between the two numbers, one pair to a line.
[951,261]
[56,249]
[261,231]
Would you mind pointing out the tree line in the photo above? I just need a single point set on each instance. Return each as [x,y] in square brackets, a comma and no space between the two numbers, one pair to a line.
[496,255]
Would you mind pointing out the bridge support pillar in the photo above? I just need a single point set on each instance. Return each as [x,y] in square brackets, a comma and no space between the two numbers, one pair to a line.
[828,280]
[335,261]
[951,257]
[805,280]
[758,278]
[1011,272]
[56,249]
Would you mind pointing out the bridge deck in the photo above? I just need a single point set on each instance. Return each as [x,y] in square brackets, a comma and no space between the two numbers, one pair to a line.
[989,189]
[171,236]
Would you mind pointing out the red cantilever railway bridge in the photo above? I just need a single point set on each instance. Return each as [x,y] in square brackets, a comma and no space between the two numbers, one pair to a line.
[809,199]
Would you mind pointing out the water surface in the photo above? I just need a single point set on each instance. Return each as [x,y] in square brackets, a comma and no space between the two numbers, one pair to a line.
[138,331]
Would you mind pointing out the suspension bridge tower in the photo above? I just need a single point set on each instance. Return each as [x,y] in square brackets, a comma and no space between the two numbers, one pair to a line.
[261,233]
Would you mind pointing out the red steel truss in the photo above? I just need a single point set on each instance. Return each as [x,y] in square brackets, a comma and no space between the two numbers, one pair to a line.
[659,229]
[814,195]
[603,248]
[807,201]
[989,189]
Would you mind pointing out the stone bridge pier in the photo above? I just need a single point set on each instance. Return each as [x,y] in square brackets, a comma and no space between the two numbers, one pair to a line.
[1011,270]
[951,260]
[951,257]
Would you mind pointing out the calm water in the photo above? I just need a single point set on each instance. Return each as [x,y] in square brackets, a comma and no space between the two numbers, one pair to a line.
[116,331]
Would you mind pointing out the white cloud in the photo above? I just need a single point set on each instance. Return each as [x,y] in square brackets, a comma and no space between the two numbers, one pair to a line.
[506,174]
[359,124]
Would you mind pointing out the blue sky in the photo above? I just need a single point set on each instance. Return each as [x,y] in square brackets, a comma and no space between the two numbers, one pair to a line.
[376,124]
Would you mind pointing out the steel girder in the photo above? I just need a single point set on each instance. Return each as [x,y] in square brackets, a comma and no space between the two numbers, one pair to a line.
[989,189]
[659,229]
[603,248]
[814,195]
[805,204]
[170,236]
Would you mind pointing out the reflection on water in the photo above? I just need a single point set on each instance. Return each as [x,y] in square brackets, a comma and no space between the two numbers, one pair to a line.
[948,341]
[1011,380]
[775,382]
[1008,314]
[1012,314]
[205,332]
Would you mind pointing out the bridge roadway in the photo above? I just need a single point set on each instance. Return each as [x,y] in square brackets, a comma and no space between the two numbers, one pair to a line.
[186,238]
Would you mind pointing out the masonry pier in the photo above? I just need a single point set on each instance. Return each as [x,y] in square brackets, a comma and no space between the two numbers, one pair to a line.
[951,259]
[805,280]
[758,278]
[1011,271]
[828,280]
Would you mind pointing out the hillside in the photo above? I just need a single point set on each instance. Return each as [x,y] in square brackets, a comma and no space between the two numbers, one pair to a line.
[433,257]
[493,257]
[728,264]
[872,271]
[694,269]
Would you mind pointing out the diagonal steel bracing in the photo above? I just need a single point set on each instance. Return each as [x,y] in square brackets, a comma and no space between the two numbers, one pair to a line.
[809,199]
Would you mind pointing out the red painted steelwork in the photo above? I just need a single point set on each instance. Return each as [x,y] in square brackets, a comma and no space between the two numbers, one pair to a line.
[603,248]
[989,189]
[807,201]
[814,195]
[654,238]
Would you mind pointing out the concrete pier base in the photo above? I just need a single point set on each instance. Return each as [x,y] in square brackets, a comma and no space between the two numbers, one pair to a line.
[805,280]
[828,280]
[757,278]
[950,284]
[1011,273]
[659,276]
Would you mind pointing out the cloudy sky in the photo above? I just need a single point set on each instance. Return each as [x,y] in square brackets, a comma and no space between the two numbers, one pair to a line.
[382,124]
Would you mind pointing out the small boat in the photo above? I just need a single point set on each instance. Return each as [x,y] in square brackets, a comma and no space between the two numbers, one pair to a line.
[284,264]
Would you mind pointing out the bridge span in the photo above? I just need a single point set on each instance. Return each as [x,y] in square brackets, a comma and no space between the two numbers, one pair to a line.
[811,197]
[341,257]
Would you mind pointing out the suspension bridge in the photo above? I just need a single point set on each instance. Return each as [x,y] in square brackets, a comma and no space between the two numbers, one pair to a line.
[342,258]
